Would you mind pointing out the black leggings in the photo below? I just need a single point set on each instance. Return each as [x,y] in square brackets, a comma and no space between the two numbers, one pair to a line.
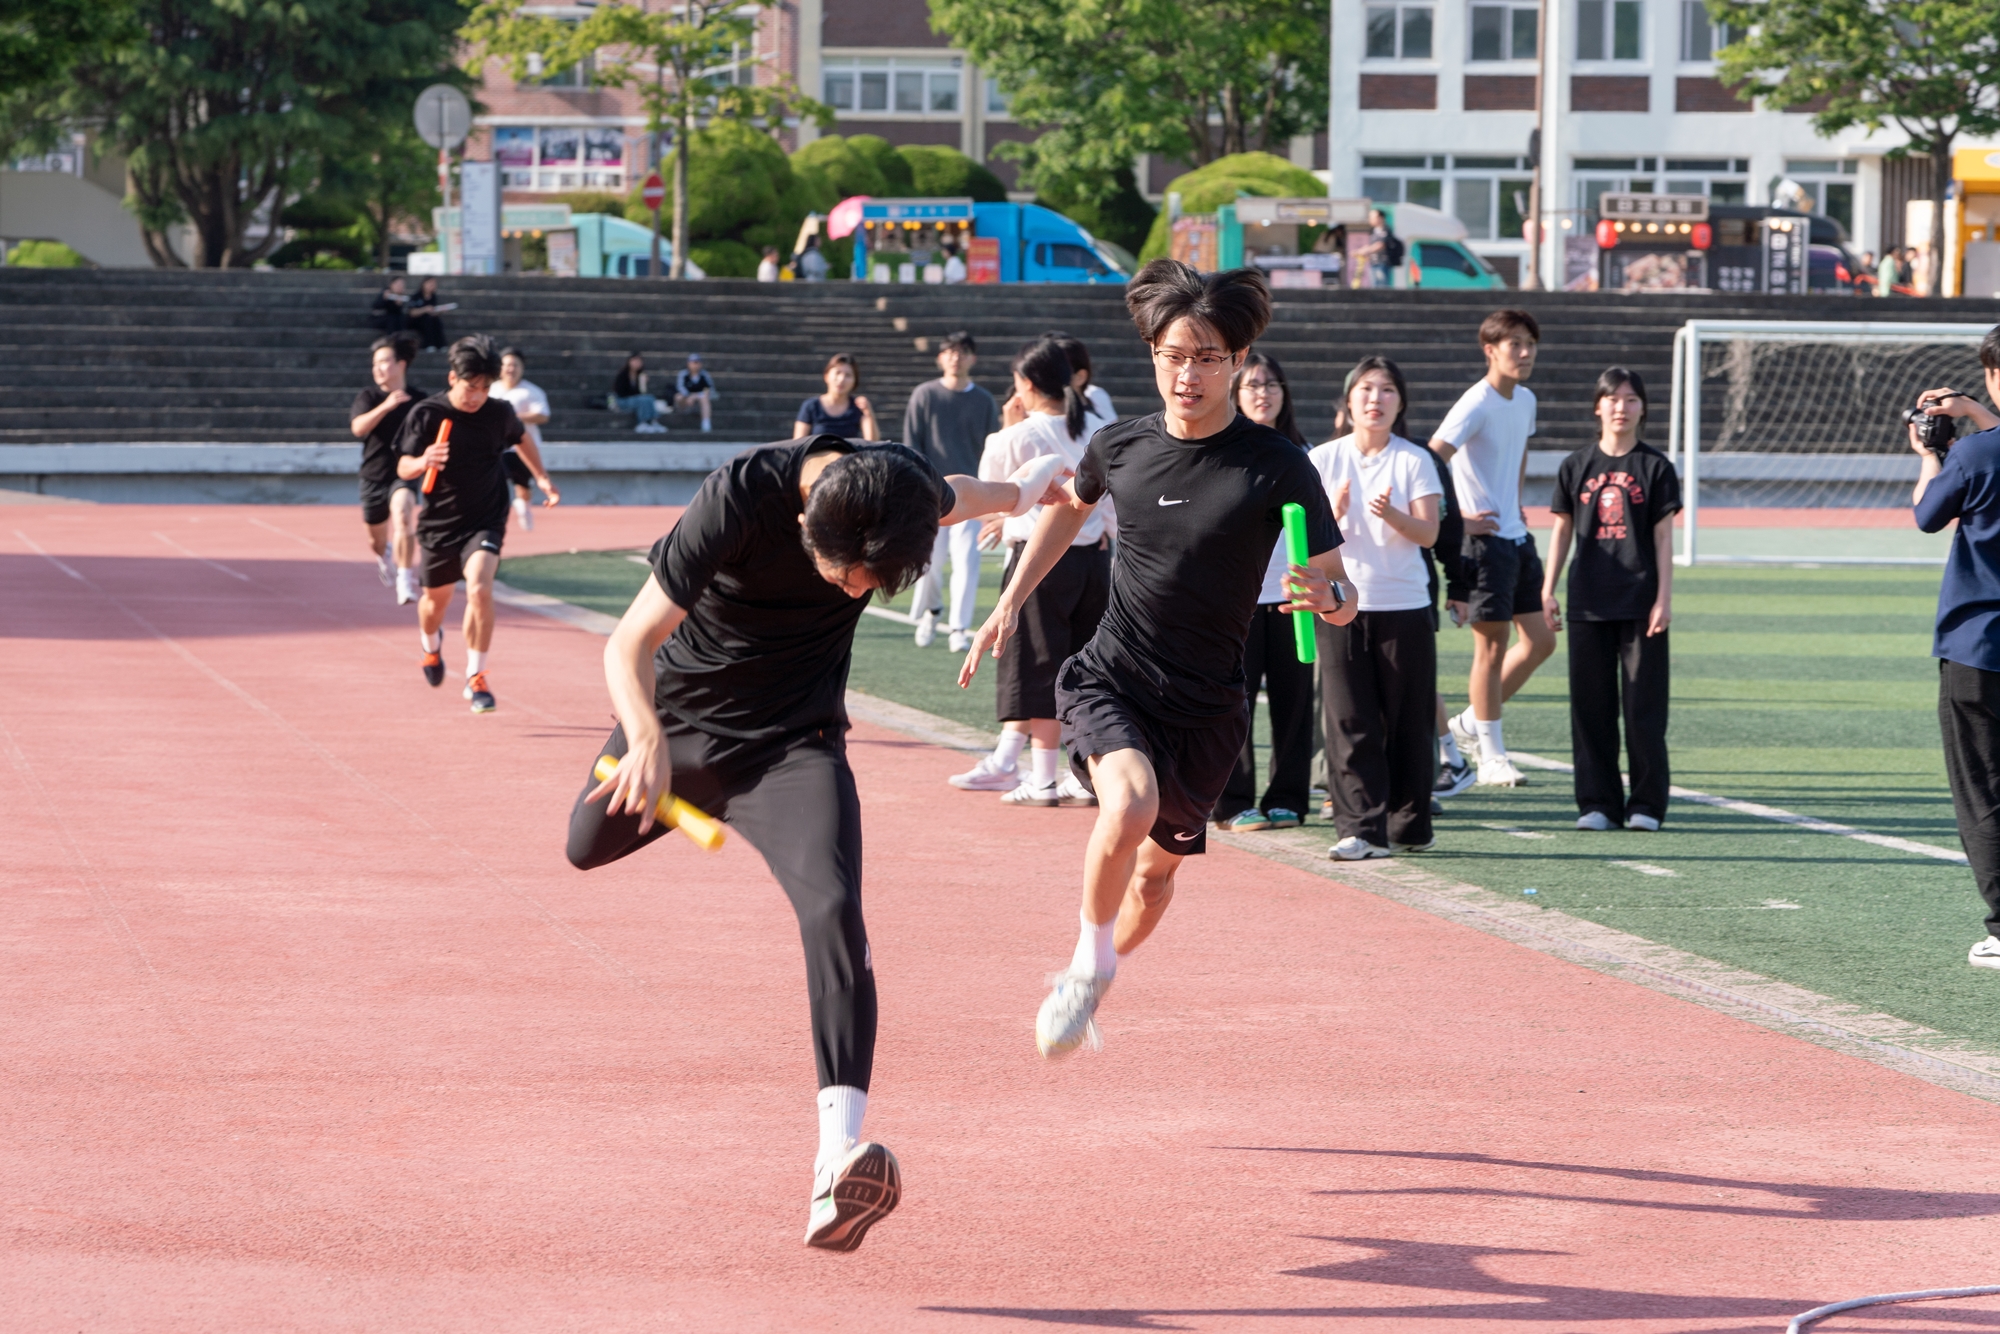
[794,799]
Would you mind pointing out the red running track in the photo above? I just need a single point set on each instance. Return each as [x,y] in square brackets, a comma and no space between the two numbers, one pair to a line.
[310,1027]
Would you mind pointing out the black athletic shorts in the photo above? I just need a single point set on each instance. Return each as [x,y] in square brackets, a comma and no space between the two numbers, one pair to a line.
[445,554]
[1506,576]
[1190,764]
[375,494]
[517,471]
[1058,619]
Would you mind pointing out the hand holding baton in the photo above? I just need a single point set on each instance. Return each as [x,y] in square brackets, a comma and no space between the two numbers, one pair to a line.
[1294,515]
[431,473]
[703,828]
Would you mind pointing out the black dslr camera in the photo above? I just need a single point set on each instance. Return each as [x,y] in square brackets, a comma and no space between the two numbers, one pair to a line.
[1938,432]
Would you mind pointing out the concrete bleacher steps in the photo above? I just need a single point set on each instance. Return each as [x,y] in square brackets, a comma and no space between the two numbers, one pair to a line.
[273,358]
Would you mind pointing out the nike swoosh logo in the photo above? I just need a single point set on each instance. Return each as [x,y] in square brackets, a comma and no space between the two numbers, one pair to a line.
[1184,838]
[1165,501]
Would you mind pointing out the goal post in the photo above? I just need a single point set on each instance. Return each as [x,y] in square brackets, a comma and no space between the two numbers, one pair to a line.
[1803,414]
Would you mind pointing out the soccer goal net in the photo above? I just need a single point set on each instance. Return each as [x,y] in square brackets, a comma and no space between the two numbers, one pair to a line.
[1798,414]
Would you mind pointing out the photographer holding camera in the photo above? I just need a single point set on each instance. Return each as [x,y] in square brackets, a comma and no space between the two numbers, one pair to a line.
[1961,480]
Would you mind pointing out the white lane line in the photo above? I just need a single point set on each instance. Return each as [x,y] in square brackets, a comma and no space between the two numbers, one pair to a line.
[1763,812]
[213,565]
[1515,831]
[36,547]
[1644,868]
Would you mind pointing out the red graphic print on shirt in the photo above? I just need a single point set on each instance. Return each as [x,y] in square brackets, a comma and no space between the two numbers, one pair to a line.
[1614,495]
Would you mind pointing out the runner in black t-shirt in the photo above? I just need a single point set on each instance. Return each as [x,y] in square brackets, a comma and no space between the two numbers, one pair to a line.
[728,675]
[376,417]
[1619,497]
[1152,707]
[464,519]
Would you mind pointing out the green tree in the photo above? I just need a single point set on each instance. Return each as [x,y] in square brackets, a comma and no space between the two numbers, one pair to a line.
[1929,67]
[1113,80]
[384,173]
[1208,188]
[682,61]
[937,172]
[1123,217]
[40,39]
[225,109]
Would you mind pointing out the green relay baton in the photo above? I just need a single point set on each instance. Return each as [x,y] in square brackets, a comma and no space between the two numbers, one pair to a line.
[1295,553]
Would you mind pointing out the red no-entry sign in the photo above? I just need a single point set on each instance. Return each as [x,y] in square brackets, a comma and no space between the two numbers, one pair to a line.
[653,192]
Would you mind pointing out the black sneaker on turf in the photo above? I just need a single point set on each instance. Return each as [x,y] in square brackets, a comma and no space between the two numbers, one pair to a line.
[857,1193]
[1453,779]
[434,666]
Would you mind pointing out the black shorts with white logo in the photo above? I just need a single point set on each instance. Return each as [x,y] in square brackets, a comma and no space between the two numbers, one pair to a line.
[1191,765]
[1506,576]
[445,554]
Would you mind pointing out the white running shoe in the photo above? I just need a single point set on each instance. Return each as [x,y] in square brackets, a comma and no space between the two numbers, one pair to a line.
[1027,794]
[1355,848]
[1467,739]
[926,629]
[1596,821]
[1500,772]
[524,514]
[1070,792]
[1986,954]
[385,566]
[406,587]
[986,776]
[1068,1018]
[1642,821]
[961,640]
[852,1196]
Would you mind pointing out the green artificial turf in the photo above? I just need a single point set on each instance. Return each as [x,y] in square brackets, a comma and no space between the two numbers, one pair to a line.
[1810,689]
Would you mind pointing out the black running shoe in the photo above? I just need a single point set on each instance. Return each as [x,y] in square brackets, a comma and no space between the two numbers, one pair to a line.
[434,666]
[858,1193]
[481,697]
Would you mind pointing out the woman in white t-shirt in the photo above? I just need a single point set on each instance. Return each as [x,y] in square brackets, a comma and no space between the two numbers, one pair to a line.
[1378,676]
[1045,415]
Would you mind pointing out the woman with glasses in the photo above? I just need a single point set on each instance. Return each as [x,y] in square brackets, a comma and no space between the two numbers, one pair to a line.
[1271,657]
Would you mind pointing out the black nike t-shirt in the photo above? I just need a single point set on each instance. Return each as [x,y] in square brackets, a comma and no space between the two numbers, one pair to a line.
[765,647]
[1617,504]
[1197,521]
[471,493]
[378,451]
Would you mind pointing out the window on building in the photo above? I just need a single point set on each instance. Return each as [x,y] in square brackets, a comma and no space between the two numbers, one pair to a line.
[1820,179]
[996,101]
[1503,32]
[1609,29]
[908,88]
[944,91]
[560,157]
[1701,39]
[838,89]
[1399,32]
[1723,180]
[874,91]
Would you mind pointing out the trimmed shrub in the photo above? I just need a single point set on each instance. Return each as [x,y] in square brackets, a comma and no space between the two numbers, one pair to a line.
[724,259]
[1208,188]
[45,255]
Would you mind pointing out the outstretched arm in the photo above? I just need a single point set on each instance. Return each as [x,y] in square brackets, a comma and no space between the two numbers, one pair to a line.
[1061,521]
[1036,482]
[647,770]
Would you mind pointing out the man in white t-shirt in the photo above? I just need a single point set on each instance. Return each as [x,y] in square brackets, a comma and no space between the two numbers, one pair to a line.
[1485,440]
[524,460]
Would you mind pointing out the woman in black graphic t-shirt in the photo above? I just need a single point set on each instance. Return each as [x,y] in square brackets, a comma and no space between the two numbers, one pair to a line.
[1618,498]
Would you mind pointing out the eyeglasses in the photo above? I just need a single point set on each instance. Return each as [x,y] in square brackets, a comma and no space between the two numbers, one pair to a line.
[1205,364]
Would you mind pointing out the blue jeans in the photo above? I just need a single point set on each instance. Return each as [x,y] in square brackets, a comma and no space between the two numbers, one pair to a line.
[640,406]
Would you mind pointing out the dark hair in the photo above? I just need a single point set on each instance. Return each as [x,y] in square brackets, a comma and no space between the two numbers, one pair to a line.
[877,509]
[513,352]
[1236,304]
[473,357]
[1073,348]
[404,345]
[1043,365]
[959,340]
[1389,368]
[842,359]
[1502,324]
[1287,424]
[1618,377]
[631,357]
[1989,349]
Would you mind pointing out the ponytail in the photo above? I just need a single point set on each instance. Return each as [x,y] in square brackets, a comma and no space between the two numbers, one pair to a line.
[1074,407]
[1043,364]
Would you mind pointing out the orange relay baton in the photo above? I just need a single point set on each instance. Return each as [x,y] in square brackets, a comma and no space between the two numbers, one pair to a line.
[431,473]
[703,828]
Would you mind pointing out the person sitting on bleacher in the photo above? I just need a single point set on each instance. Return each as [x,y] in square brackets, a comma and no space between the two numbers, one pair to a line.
[629,394]
[426,315]
[387,314]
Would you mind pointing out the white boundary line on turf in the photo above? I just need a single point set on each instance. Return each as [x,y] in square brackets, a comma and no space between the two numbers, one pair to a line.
[1806,822]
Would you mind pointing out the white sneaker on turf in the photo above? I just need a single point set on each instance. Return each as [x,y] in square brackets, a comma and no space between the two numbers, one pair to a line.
[1027,794]
[986,776]
[406,587]
[1070,792]
[1596,821]
[524,514]
[1500,772]
[1986,954]
[385,566]
[1068,1018]
[961,640]
[926,629]
[1467,739]
[851,1196]
[1355,848]
[1641,820]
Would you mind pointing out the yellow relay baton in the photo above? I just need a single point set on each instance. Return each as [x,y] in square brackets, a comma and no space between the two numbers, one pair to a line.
[703,828]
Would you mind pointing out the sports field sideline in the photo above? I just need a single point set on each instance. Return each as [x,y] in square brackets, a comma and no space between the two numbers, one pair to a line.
[311,1027]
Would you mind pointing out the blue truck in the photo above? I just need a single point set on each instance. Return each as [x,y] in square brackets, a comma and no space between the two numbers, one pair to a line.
[897,240]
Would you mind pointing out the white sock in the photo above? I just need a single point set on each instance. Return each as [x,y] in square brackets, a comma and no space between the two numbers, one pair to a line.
[431,642]
[404,572]
[383,558]
[841,1108]
[1448,749]
[1095,955]
[1490,743]
[1007,754]
[1045,767]
[475,661]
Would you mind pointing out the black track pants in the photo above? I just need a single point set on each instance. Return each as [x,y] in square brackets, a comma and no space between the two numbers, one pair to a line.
[1969,716]
[1378,693]
[1271,660]
[1616,669]
[794,799]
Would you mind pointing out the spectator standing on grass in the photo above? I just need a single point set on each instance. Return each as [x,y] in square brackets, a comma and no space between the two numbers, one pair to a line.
[629,394]
[426,315]
[524,460]
[1965,486]
[1270,656]
[1378,674]
[1618,498]
[840,410]
[694,389]
[387,314]
[1094,397]
[1485,440]
[947,421]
